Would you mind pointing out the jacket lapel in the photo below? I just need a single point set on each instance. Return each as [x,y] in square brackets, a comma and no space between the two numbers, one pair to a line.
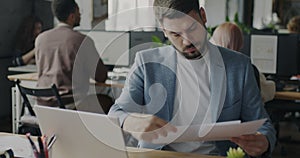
[170,82]
[218,87]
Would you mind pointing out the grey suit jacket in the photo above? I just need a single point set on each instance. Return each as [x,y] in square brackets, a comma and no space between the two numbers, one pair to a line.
[157,67]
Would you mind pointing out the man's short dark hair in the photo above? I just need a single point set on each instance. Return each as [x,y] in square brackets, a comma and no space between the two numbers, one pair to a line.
[174,8]
[63,8]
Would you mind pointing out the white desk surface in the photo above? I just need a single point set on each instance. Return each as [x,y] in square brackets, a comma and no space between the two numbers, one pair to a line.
[34,77]
[25,68]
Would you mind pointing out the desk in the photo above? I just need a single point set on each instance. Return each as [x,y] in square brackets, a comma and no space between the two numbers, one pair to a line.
[146,153]
[29,79]
[25,68]
[283,103]
[33,77]
[286,95]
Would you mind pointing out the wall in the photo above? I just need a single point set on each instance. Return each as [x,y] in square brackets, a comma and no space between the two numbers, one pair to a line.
[43,10]
[262,14]
[215,12]
[12,13]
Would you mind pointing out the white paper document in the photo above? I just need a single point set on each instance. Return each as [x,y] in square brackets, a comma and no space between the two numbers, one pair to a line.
[20,146]
[263,52]
[214,132]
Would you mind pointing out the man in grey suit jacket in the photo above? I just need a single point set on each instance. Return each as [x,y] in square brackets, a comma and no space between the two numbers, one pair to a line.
[67,57]
[191,82]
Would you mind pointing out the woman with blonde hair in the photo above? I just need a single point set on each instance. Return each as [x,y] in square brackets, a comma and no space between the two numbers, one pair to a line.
[230,36]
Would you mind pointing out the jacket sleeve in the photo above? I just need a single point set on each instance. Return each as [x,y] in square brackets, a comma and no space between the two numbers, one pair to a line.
[131,99]
[253,108]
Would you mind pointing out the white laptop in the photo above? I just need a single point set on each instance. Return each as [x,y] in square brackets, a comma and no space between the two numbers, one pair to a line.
[81,134]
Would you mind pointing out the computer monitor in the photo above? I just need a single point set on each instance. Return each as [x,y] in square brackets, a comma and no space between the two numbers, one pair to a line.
[263,52]
[276,54]
[143,40]
[288,57]
[112,46]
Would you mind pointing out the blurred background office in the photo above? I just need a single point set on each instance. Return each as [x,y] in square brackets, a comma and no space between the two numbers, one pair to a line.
[260,20]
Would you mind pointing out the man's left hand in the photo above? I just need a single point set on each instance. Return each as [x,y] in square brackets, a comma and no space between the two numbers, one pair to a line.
[252,144]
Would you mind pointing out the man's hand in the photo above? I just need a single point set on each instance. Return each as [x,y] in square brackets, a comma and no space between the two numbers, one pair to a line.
[147,127]
[253,144]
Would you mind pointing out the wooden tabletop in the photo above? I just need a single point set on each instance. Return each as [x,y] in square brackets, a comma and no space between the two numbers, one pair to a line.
[146,153]
[143,153]
[286,95]
[34,77]
[24,68]
[25,76]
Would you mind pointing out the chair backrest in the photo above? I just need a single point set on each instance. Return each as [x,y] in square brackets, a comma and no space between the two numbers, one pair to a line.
[38,92]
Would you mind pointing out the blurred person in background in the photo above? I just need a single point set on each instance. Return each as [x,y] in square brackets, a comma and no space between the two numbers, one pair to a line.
[293,25]
[24,51]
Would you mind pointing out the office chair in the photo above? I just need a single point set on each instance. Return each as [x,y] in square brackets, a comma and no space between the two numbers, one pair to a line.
[29,123]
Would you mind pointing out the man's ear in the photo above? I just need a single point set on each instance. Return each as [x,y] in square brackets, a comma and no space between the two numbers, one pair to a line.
[69,20]
[72,17]
[203,15]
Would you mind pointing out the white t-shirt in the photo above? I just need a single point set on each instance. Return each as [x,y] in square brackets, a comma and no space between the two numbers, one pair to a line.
[192,100]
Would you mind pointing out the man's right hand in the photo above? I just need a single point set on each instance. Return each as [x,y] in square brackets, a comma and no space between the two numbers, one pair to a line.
[147,127]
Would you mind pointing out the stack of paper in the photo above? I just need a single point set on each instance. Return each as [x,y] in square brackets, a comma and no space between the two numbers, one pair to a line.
[214,132]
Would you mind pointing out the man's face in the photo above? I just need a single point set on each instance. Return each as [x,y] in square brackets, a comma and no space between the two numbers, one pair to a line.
[187,34]
[77,17]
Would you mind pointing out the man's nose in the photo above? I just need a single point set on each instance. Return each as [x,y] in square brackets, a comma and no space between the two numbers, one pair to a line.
[186,40]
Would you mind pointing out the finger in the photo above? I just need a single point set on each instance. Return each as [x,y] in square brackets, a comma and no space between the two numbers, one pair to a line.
[250,150]
[162,131]
[148,136]
[247,142]
[253,148]
[171,128]
[160,123]
[252,136]
[246,137]
[249,137]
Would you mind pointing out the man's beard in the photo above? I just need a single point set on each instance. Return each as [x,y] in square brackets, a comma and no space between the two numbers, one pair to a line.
[197,54]
[77,24]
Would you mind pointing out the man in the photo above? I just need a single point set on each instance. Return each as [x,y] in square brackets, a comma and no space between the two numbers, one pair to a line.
[66,57]
[191,82]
